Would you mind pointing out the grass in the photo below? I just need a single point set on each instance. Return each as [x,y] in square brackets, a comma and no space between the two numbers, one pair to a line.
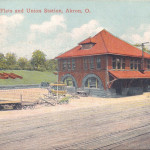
[29,77]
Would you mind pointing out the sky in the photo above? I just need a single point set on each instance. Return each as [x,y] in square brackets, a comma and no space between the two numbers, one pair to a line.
[56,32]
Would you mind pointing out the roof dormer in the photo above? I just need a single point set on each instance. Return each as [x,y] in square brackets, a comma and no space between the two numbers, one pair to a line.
[87,43]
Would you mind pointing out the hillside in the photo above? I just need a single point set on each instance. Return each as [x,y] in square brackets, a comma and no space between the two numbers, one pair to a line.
[29,77]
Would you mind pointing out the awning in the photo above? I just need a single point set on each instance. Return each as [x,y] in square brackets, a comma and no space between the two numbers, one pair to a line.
[130,74]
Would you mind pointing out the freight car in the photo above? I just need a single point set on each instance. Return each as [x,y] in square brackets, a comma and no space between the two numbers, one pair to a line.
[5,104]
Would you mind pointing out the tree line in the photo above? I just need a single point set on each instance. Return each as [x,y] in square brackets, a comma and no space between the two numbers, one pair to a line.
[37,62]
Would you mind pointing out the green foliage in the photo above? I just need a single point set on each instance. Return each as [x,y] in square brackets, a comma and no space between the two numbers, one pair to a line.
[2,61]
[22,62]
[65,99]
[11,60]
[51,65]
[38,60]
[29,66]
[144,49]
[137,45]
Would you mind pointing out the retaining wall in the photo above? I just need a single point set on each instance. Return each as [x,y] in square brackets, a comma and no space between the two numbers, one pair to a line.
[5,87]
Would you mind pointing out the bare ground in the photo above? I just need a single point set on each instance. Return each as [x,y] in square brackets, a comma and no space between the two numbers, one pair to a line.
[85,123]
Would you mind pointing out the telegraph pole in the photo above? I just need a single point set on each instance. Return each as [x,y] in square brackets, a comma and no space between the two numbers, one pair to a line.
[142,67]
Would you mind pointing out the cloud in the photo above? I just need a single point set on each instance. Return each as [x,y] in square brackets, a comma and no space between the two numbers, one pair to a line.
[11,21]
[52,37]
[47,27]
[66,40]
[42,31]
[7,24]
[54,41]
[137,35]
[86,30]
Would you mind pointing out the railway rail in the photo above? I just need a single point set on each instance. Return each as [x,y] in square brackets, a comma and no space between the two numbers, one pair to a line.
[88,128]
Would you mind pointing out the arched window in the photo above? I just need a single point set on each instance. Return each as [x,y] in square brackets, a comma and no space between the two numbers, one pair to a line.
[92,82]
[69,81]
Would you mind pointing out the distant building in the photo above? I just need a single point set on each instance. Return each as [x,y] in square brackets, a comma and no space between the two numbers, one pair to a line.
[104,64]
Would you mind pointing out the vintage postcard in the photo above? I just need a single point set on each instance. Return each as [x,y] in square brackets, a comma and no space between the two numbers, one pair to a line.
[74,74]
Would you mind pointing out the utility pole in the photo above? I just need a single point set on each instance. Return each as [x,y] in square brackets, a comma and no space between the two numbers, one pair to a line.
[57,85]
[142,67]
[57,73]
[57,79]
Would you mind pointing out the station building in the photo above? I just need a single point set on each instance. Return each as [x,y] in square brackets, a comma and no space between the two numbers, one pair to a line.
[105,65]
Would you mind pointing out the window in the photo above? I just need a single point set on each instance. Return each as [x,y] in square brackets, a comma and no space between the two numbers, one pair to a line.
[118,63]
[148,64]
[98,62]
[135,64]
[87,45]
[139,64]
[68,64]
[64,64]
[92,82]
[69,81]
[114,63]
[123,63]
[73,64]
[131,64]
[91,62]
[85,63]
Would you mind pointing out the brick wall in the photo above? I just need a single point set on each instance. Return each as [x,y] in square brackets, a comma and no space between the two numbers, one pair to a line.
[79,73]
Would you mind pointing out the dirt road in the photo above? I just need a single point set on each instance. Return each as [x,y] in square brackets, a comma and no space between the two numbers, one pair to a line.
[86,123]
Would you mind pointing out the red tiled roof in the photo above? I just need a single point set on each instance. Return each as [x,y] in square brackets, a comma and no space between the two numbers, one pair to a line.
[88,40]
[106,43]
[130,74]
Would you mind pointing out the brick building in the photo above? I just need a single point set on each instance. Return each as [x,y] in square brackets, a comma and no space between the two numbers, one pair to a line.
[103,65]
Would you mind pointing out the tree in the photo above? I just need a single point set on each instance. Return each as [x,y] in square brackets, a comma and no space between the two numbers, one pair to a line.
[11,60]
[51,65]
[22,62]
[2,61]
[29,66]
[38,60]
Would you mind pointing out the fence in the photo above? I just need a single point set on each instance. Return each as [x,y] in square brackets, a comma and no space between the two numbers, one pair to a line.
[32,94]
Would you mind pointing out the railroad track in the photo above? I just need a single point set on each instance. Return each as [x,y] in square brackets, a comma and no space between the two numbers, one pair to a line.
[108,141]
[78,129]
